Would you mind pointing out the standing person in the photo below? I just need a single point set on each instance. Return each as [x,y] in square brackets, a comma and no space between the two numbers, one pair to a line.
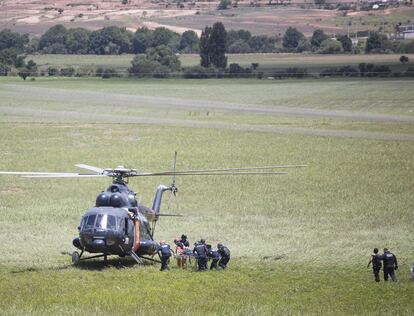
[390,265]
[215,257]
[200,252]
[376,259]
[164,252]
[179,254]
[225,255]
[184,240]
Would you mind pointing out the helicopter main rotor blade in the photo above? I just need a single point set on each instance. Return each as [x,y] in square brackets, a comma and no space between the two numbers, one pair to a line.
[29,173]
[67,175]
[241,169]
[169,173]
[91,168]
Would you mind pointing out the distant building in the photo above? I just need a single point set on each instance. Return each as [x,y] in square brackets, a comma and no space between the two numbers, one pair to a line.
[405,32]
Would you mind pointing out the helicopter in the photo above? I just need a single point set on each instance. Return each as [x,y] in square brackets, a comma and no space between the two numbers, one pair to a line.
[118,224]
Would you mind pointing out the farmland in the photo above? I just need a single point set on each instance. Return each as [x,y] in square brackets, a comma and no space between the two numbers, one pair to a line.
[300,242]
[35,17]
[267,62]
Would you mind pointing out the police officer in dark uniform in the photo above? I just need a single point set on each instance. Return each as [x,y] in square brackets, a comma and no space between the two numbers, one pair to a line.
[225,255]
[214,256]
[164,252]
[200,252]
[376,260]
[184,240]
[390,265]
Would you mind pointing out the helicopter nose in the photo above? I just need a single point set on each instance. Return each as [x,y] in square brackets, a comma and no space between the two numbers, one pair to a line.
[99,244]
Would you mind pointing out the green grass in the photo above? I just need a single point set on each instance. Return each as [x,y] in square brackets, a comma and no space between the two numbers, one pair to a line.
[313,62]
[321,221]
[391,96]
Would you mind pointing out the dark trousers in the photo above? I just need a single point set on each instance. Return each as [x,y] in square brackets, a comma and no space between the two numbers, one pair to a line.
[376,274]
[390,272]
[214,264]
[164,263]
[202,263]
[223,262]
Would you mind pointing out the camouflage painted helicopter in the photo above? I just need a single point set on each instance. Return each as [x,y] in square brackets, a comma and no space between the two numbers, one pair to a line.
[118,224]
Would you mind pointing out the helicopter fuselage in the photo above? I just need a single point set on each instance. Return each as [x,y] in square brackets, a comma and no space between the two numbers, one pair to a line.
[117,225]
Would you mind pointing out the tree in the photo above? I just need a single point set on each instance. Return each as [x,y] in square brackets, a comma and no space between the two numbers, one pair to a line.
[54,36]
[4,69]
[331,46]
[239,47]
[110,40]
[262,44]
[376,42]
[404,59]
[9,39]
[217,43]
[24,73]
[318,37]
[291,38]
[224,4]
[189,42]
[164,36]
[205,54]
[164,55]
[158,62]
[141,40]
[77,41]
[8,56]
[346,42]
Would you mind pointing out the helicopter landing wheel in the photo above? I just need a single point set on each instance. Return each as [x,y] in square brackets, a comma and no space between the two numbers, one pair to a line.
[75,257]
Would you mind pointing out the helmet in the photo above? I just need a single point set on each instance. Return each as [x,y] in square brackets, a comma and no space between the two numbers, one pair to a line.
[203,241]
[219,245]
[183,236]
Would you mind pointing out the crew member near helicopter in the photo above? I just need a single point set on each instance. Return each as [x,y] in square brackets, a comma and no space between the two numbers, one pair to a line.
[376,259]
[200,252]
[214,255]
[184,240]
[164,251]
[225,255]
[390,265]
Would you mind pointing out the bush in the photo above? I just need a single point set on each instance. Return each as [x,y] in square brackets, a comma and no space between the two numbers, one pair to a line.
[410,72]
[199,72]
[67,72]
[347,71]
[52,71]
[235,70]
[109,73]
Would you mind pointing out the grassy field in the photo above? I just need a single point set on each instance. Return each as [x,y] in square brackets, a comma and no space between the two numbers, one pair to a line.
[300,242]
[266,61]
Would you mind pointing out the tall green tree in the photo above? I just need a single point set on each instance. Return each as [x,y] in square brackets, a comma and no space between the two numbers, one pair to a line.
[346,42]
[376,42]
[110,40]
[54,37]
[141,40]
[189,42]
[217,44]
[205,53]
[9,39]
[77,41]
[318,37]
[291,38]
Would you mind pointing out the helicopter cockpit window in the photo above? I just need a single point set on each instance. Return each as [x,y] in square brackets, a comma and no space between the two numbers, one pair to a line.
[105,221]
[111,222]
[90,221]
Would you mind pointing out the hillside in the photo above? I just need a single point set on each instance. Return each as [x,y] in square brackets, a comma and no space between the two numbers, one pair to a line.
[34,17]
